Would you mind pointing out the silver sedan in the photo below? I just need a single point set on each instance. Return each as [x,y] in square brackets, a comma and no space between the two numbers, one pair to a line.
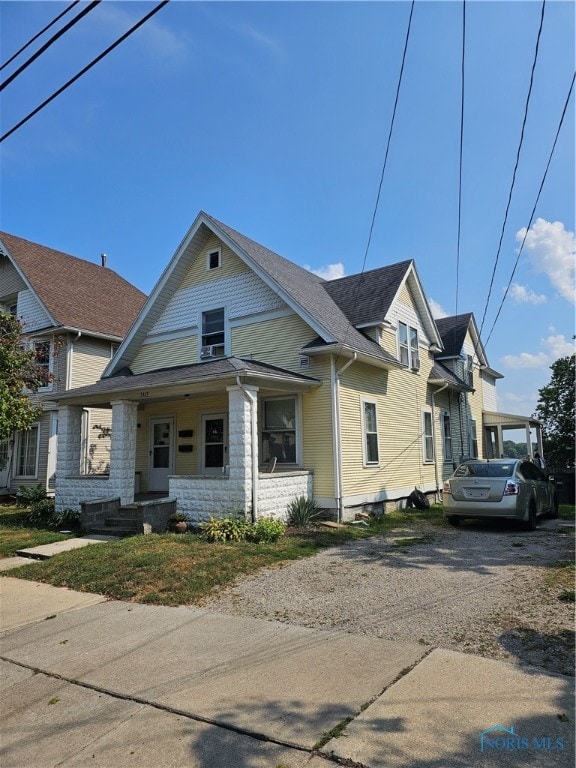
[499,488]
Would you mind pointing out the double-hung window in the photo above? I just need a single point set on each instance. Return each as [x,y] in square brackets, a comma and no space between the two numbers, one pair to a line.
[447,436]
[408,346]
[370,430]
[427,436]
[279,438]
[213,334]
[27,452]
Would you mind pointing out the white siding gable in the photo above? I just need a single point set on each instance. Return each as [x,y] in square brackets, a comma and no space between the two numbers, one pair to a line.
[242,294]
[31,313]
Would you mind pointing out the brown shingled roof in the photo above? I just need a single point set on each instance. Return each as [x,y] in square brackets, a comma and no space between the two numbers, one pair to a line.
[76,293]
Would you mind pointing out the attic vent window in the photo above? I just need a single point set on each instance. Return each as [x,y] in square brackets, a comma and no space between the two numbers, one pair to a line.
[214,259]
[304,361]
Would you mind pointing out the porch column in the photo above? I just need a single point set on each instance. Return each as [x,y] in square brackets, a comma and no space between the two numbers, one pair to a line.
[123,449]
[69,441]
[243,442]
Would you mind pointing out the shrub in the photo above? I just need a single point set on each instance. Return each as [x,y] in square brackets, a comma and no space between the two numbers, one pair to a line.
[43,513]
[266,531]
[302,511]
[224,529]
[30,495]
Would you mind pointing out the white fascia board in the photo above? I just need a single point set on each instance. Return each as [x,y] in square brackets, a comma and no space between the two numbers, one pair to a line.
[6,252]
[428,320]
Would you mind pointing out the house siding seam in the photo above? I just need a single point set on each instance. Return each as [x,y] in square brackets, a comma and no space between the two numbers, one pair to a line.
[10,280]
[31,313]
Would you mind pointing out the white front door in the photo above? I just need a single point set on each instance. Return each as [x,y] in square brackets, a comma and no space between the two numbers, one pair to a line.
[214,443]
[161,453]
[5,456]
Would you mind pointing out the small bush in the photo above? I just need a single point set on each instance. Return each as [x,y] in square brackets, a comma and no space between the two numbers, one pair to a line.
[266,531]
[302,512]
[224,529]
[42,513]
[30,495]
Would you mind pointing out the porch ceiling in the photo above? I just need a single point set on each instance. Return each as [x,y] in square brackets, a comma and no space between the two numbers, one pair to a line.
[173,383]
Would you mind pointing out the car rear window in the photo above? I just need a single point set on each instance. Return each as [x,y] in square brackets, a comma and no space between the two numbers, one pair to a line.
[485,470]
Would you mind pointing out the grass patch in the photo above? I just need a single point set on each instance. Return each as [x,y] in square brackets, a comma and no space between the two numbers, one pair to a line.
[17,534]
[172,569]
[566,511]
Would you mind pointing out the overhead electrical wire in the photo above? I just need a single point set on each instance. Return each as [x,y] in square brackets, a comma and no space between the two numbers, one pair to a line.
[535,205]
[84,70]
[516,164]
[50,42]
[461,152]
[39,34]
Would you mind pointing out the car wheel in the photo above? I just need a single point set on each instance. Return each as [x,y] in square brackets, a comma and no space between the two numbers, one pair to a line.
[553,513]
[454,520]
[530,523]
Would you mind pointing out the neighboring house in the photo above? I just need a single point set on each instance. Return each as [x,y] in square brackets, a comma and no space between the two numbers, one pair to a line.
[74,313]
[247,381]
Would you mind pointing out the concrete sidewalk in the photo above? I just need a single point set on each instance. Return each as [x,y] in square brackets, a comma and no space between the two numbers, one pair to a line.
[121,684]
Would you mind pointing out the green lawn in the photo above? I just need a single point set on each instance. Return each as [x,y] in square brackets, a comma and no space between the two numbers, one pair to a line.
[15,534]
[171,569]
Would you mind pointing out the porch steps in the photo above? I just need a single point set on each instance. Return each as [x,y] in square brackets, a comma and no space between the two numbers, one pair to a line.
[124,522]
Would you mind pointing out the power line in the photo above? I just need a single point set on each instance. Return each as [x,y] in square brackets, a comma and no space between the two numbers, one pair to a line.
[516,164]
[462,61]
[50,42]
[39,34]
[535,204]
[83,71]
[389,136]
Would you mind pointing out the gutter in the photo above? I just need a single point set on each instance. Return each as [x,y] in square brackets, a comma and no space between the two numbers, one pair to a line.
[254,439]
[336,433]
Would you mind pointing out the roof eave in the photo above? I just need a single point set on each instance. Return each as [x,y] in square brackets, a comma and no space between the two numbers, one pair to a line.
[342,350]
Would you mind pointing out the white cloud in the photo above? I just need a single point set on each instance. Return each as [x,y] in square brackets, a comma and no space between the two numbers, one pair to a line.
[437,310]
[556,346]
[329,272]
[551,250]
[523,295]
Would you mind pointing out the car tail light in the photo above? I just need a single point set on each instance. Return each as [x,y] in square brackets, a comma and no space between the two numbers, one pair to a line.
[447,488]
[512,488]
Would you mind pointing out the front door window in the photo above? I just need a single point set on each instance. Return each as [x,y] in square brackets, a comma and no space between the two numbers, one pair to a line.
[161,453]
[215,443]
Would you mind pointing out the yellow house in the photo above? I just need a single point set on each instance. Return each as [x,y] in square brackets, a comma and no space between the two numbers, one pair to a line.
[247,381]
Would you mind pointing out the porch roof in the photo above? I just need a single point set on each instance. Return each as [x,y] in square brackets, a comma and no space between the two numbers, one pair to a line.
[188,379]
[442,376]
[509,420]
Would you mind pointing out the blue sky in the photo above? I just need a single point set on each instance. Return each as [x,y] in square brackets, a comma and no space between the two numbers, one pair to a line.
[274,116]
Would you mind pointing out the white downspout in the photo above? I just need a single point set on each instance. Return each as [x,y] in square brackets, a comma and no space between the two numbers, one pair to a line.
[254,438]
[434,435]
[336,441]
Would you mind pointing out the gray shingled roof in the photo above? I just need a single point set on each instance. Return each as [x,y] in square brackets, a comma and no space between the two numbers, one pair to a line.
[77,293]
[440,372]
[307,291]
[453,332]
[224,367]
[367,297]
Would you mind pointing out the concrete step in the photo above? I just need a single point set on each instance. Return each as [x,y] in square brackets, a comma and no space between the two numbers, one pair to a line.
[112,531]
[121,522]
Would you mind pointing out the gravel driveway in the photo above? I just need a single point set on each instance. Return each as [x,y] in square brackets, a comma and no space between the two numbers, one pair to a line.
[480,589]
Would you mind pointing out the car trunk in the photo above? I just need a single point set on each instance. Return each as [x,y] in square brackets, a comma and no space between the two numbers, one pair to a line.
[478,488]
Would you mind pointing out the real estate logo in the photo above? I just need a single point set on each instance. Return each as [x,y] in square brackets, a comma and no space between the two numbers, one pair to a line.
[506,739]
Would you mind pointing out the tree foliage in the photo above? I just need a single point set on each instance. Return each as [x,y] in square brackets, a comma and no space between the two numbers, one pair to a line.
[555,409]
[19,375]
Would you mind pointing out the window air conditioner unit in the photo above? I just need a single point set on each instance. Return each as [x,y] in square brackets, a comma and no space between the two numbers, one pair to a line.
[207,351]
[416,364]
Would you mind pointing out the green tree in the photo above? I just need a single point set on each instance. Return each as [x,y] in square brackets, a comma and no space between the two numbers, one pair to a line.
[555,409]
[19,375]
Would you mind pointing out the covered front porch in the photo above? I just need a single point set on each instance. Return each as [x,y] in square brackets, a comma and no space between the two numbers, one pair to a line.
[220,438]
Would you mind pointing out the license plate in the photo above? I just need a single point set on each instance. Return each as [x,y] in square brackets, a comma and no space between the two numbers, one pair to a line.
[476,493]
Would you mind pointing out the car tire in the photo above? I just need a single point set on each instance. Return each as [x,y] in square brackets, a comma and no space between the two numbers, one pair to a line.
[553,513]
[454,520]
[532,520]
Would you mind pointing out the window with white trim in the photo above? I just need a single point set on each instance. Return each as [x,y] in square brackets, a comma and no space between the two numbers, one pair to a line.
[213,334]
[427,436]
[447,436]
[279,436]
[27,446]
[408,346]
[370,432]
